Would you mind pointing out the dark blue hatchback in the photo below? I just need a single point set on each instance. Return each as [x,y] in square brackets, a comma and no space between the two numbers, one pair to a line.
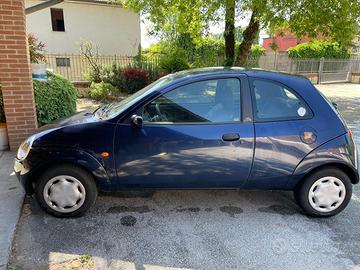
[213,128]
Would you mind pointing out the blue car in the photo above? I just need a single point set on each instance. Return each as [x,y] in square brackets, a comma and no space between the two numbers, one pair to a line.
[213,128]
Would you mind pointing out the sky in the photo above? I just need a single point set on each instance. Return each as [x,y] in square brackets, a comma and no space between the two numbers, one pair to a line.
[147,40]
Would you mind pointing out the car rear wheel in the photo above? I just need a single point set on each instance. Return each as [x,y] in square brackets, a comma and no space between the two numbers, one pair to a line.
[66,191]
[324,193]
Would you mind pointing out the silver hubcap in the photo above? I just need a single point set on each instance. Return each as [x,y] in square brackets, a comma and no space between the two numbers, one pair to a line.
[64,193]
[327,194]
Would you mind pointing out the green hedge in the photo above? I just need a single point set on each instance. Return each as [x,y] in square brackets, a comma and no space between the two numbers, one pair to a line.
[319,49]
[55,98]
[2,113]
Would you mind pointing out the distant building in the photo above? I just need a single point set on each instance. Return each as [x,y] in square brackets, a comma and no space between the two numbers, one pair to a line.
[115,30]
[283,43]
[284,40]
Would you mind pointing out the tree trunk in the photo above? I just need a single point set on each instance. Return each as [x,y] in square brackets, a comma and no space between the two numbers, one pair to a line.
[249,36]
[229,33]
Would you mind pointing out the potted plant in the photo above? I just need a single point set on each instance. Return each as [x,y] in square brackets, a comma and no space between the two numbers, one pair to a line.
[37,58]
[4,142]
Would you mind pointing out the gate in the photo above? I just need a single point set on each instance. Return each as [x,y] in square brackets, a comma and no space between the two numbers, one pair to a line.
[333,71]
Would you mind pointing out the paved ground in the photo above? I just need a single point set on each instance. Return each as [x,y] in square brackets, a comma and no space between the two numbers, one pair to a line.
[11,199]
[347,97]
[197,229]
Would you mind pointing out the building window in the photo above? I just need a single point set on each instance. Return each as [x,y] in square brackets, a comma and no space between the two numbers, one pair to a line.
[63,62]
[57,19]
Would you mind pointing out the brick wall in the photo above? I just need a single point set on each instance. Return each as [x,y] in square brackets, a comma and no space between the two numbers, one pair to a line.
[15,74]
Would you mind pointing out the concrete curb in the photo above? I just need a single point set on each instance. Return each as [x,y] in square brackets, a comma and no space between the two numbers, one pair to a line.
[11,201]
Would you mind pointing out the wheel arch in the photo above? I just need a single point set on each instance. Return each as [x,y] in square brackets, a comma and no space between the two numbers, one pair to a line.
[86,163]
[349,171]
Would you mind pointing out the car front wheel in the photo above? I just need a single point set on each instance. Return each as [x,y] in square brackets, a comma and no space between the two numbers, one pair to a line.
[66,191]
[324,193]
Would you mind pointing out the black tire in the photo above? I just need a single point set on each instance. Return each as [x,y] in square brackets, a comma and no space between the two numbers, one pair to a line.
[86,179]
[301,192]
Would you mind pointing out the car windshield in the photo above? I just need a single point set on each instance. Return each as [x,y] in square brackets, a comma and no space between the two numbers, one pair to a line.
[113,109]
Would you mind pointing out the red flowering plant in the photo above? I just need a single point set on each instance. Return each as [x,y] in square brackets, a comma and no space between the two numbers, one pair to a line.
[133,79]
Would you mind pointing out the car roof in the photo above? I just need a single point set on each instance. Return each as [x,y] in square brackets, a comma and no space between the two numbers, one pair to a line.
[252,72]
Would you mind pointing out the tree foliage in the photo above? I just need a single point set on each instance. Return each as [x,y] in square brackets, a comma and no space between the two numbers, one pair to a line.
[171,19]
[337,19]
[36,49]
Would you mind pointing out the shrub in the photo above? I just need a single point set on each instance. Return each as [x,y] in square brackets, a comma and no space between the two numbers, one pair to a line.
[173,61]
[54,98]
[133,79]
[93,75]
[111,74]
[148,63]
[2,113]
[209,52]
[101,90]
[90,52]
[319,49]
[255,53]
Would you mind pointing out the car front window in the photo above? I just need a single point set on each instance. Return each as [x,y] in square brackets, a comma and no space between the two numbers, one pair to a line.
[114,109]
[211,101]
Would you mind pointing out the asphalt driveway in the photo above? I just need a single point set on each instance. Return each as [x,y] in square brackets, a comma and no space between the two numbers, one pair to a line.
[197,229]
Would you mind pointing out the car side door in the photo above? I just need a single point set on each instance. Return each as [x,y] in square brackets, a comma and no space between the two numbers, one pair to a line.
[195,135]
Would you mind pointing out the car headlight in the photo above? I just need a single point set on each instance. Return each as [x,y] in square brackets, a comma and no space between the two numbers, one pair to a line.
[25,147]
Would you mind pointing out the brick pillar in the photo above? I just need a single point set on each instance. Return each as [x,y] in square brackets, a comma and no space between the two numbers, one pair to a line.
[15,73]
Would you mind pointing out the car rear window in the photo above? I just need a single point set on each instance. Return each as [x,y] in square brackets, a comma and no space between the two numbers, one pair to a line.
[273,101]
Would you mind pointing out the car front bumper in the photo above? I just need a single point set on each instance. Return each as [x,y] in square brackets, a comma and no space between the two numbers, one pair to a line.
[23,175]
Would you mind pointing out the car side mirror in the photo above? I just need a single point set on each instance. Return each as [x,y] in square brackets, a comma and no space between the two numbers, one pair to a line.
[137,121]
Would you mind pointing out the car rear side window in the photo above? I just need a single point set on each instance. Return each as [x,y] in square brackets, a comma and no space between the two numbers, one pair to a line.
[214,101]
[276,102]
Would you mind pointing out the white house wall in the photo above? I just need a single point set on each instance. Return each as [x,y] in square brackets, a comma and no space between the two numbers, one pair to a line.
[113,29]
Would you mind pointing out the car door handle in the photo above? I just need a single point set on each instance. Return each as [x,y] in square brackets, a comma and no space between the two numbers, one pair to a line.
[230,137]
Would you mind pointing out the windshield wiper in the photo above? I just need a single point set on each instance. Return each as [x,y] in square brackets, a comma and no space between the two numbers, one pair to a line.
[102,110]
[94,112]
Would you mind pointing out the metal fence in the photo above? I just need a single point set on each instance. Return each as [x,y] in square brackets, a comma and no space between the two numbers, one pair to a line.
[327,70]
[355,64]
[75,67]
